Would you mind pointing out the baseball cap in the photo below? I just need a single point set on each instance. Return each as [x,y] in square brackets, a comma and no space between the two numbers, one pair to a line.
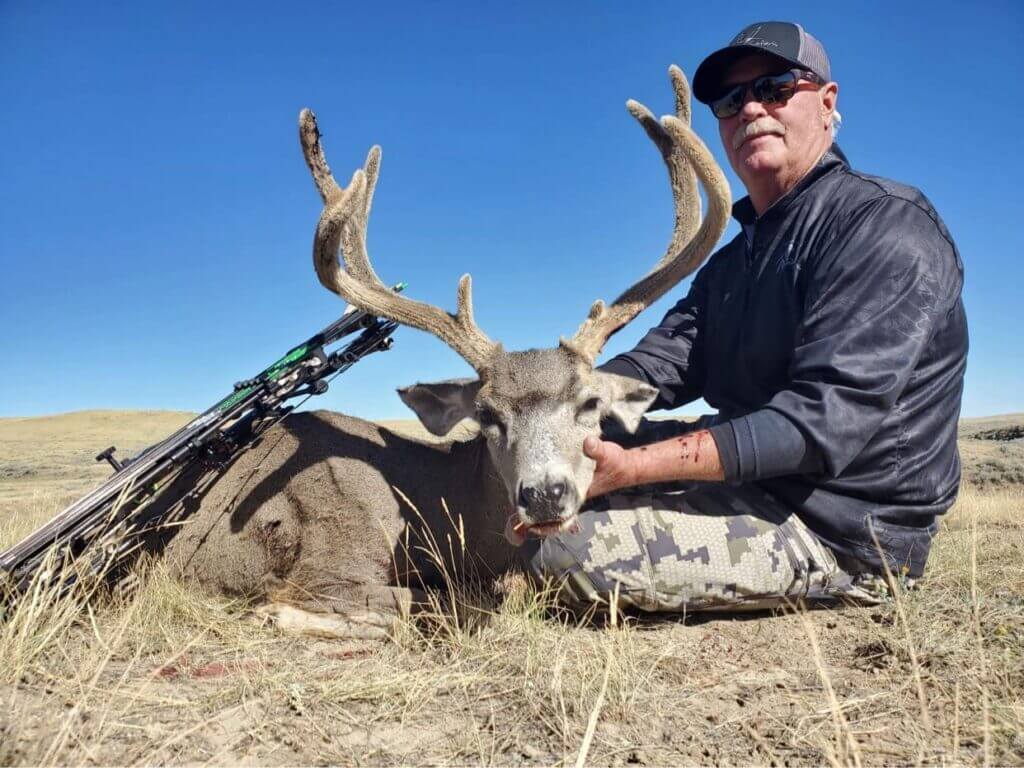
[784,40]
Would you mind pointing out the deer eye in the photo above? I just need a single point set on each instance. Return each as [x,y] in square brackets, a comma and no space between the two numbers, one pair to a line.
[488,418]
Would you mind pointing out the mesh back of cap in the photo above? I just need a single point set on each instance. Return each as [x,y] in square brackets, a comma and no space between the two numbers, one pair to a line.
[812,54]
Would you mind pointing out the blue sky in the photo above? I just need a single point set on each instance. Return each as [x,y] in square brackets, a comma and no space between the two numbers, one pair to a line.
[156,215]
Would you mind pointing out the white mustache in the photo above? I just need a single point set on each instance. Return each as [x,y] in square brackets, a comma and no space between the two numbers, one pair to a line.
[761,126]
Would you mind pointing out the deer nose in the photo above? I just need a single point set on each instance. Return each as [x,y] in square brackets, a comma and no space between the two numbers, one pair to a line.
[527,494]
[544,503]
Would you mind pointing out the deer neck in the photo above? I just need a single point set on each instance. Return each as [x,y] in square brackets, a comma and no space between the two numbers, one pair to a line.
[479,496]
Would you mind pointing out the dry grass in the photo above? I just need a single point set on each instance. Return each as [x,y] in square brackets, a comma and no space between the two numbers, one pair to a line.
[990,456]
[170,675]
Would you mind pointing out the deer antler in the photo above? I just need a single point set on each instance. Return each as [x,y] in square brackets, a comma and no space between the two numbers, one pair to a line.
[343,222]
[684,153]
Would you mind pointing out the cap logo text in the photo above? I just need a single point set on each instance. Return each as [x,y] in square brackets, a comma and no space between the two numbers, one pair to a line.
[753,39]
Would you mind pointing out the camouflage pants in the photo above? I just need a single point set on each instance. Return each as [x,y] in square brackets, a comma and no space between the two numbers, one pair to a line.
[713,548]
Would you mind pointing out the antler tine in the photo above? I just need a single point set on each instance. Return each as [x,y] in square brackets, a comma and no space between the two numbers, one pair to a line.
[309,137]
[343,224]
[357,263]
[681,87]
[690,204]
[685,155]
[681,177]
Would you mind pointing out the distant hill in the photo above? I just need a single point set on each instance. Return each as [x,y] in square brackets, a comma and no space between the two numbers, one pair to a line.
[55,455]
[992,449]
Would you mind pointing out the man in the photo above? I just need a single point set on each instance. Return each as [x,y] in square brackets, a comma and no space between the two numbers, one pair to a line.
[830,336]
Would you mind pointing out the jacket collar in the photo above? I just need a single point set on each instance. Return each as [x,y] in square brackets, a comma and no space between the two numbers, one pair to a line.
[743,209]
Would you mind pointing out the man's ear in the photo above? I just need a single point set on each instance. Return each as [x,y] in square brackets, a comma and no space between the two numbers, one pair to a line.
[443,404]
[829,95]
[628,398]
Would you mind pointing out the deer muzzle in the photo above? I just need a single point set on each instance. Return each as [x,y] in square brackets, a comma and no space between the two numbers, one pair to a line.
[553,500]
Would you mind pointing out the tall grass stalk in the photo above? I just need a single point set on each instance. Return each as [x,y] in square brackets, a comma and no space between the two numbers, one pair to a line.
[846,745]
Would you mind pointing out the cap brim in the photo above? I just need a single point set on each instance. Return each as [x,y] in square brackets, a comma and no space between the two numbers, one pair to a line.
[707,79]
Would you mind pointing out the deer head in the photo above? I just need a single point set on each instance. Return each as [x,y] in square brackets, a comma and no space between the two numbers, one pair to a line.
[534,407]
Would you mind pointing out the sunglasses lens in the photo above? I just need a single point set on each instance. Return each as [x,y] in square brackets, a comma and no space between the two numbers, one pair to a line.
[728,104]
[774,89]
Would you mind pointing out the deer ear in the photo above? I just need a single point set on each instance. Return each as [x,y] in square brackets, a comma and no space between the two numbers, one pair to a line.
[443,404]
[628,398]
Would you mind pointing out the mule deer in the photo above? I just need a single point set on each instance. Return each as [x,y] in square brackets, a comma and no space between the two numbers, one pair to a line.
[316,519]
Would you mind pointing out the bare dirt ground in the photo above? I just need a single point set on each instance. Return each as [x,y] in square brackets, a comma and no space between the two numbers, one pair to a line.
[169,675]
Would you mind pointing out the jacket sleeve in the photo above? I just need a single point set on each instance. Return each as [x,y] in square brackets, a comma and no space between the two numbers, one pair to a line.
[671,355]
[873,300]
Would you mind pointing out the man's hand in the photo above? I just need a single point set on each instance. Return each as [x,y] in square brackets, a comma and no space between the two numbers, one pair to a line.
[615,467]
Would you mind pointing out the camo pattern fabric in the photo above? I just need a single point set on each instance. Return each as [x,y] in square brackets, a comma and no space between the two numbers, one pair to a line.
[714,548]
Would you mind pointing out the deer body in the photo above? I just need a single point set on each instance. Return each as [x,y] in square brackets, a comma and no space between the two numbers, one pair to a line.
[332,514]
[321,516]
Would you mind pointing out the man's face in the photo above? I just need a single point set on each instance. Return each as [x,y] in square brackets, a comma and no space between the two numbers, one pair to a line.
[775,140]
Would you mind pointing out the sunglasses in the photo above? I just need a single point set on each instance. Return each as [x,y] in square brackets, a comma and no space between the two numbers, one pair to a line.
[769,89]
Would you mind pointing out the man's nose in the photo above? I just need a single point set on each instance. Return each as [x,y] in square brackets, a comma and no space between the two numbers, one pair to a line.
[752,109]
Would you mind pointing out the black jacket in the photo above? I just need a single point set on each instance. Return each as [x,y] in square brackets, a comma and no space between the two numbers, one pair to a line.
[831,337]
